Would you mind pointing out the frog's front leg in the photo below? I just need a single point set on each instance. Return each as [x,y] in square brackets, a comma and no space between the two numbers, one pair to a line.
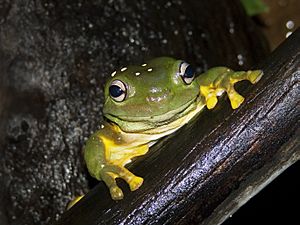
[105,158]
[219,79]
[114,171]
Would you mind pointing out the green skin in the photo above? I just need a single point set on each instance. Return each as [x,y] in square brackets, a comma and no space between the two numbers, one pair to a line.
[157,103]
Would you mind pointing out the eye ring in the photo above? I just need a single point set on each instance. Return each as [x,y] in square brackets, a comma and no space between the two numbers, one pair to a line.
[186,72]
[117,91]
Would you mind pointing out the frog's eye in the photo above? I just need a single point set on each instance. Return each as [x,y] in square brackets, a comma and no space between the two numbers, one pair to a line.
[117,90]
[187,72]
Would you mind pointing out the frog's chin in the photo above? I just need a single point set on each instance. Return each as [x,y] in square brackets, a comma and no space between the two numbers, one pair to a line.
[156,124]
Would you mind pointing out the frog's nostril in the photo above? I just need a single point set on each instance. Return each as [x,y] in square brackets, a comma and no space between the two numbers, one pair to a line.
[157,90]
[158,95]
[156,99]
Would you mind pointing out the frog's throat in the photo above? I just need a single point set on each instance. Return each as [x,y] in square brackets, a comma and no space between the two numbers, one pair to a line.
[160,123]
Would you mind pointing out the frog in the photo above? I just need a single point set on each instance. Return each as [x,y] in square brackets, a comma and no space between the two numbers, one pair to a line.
[144,103]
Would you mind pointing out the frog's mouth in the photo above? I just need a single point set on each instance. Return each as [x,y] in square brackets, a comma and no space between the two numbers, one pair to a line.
[157,123]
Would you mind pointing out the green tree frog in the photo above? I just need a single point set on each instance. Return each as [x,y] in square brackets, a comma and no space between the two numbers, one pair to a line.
[147,102]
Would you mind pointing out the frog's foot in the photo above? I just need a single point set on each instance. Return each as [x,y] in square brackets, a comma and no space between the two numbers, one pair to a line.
[228,81]
[225,82]
[74,201]
[110,172]
[109,179]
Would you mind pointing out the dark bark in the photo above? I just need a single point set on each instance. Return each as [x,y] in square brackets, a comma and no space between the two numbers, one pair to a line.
[208,168]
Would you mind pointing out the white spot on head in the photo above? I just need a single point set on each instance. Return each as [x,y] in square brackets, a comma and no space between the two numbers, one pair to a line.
[137,73]
[102,126]
[149,70]
[145,64]
[290,24]
[123,69]
[113,73]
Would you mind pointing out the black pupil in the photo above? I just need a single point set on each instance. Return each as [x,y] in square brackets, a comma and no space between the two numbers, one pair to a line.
[189,72]
[115,91]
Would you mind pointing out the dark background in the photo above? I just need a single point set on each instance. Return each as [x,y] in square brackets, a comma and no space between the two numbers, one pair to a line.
[277,203]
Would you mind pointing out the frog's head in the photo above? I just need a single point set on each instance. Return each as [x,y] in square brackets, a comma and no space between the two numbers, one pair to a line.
[144,97]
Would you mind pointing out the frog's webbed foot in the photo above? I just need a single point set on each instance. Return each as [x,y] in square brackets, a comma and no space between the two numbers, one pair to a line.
[74,201]
[110,172]
[225,82]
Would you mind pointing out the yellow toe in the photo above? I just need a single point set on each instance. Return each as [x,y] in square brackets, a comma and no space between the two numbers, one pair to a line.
[211,102]
[135,183]
[254,76]
[74,201]
[236,100]
[116,193]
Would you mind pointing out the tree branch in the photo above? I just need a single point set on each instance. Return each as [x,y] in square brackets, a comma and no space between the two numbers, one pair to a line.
[209,168]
